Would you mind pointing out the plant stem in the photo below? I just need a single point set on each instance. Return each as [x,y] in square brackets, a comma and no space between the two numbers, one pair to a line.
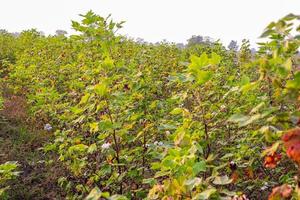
[117,148]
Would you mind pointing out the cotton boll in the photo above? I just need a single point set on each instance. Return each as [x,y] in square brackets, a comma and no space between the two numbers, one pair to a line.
[47,127]
[105,145]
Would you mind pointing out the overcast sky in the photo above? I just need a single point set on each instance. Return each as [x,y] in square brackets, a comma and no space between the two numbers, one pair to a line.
[153,20]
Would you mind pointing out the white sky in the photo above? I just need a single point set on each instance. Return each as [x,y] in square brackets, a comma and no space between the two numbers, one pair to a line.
[153,20]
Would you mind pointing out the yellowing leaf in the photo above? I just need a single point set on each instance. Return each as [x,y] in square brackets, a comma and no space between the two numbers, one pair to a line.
[101,89]
[205,194]
[176,111]
[222,180]
[288,65]
[95,194]
[179,137]
[94,127]
[84,98]
[272,149]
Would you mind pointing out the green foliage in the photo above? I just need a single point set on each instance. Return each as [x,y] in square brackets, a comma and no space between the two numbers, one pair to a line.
[7,172]
[144,121]
[1,101]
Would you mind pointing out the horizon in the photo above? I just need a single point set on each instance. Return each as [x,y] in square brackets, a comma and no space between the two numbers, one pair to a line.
[164,24]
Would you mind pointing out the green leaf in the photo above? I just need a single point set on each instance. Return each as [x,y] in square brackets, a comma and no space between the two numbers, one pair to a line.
[76,110]
[267,33]
[161,173]
[294,84]
[168,163]
[203,76]
[108,63]
[77,148]
[105,125]
[245,80]
[199,167]
[215,59]
[8,166]
[92,148]
[150,181]
[3,190]
[106,169]
[198,62]
[248,87]
[290,17]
